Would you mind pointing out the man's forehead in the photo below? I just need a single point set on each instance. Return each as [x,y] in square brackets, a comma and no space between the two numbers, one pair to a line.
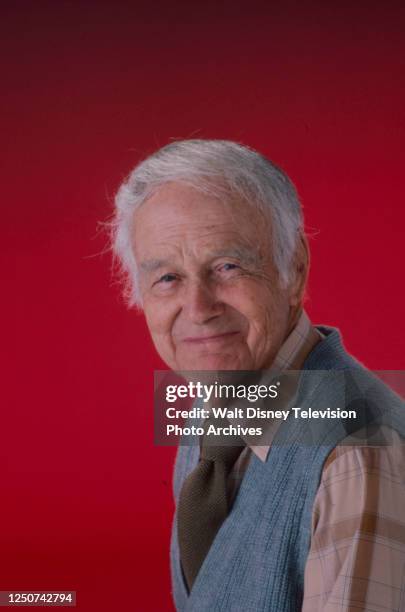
[179,223]
[177,197]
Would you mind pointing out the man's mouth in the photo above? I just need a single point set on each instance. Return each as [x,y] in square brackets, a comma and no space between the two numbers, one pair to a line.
[211,338]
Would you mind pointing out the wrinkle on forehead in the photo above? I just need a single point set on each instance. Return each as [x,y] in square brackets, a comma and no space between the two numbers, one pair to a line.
[184,195]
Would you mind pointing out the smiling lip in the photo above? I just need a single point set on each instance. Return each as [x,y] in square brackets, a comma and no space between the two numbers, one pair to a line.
[201,339]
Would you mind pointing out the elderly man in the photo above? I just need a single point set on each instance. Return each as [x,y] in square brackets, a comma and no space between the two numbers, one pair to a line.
[210,235]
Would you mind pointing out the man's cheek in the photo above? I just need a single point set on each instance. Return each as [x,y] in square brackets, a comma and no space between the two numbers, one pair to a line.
[156,320]
[164,348]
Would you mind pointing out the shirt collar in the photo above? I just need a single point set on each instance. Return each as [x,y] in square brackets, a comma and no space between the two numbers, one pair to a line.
[291,356]
[293,344]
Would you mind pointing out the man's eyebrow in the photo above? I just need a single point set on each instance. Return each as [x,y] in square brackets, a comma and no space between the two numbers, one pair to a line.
[151,265]
[244,255]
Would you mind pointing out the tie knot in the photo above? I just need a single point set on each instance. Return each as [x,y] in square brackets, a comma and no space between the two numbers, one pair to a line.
[222,454]
[221,448]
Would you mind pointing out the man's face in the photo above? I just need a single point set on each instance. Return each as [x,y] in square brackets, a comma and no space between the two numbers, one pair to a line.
[210,291]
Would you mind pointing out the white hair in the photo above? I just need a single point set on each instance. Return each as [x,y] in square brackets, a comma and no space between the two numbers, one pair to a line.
[221,168]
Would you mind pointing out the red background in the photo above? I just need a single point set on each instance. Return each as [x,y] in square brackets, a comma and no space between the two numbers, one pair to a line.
[88,89]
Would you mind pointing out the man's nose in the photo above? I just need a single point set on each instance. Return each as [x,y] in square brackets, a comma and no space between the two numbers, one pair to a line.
[201,302]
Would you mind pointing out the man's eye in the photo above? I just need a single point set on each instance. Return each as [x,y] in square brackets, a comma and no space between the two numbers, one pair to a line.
[167,278]
[227,267]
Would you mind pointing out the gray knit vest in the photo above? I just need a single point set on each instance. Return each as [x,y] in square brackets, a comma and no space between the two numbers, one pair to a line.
[257,560]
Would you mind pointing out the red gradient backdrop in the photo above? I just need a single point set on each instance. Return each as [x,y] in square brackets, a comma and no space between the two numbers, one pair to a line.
[88,89]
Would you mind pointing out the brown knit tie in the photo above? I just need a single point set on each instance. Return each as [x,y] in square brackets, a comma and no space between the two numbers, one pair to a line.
[204,503]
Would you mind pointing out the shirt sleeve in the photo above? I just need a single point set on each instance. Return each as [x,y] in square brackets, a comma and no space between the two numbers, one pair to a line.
[357,554]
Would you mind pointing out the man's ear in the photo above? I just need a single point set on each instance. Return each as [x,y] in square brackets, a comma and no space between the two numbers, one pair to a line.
[299,271]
